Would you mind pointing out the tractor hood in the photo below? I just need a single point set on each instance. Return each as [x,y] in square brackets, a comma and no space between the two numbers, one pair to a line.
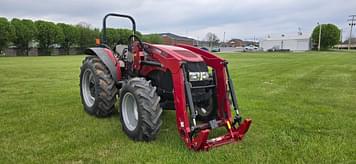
[180,53]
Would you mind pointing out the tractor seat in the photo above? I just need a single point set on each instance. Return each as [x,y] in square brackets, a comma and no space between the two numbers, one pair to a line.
[120,49]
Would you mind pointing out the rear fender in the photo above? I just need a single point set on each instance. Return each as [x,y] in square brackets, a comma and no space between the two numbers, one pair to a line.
[108,58]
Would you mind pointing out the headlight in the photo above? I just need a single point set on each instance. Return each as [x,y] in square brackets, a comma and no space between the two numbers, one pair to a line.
[198,76]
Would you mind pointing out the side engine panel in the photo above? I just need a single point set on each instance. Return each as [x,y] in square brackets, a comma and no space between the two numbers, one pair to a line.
[163,81]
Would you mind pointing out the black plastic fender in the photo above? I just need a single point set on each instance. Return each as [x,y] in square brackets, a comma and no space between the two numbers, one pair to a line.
[107,57]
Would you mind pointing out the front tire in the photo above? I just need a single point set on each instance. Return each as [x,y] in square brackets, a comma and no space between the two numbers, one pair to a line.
[97,87]
[140,113]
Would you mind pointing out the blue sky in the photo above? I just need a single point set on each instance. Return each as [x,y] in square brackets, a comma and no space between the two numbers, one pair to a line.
[194,18]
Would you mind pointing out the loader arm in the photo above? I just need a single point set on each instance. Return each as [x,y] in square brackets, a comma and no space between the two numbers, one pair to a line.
[196,136]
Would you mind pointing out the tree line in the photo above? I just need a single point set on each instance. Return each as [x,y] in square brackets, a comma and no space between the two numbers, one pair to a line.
[48,35]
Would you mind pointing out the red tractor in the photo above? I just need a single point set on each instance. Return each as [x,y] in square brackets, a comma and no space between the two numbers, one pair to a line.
[147,78]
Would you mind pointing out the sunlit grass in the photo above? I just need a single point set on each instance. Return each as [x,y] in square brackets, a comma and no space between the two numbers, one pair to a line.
[303,107]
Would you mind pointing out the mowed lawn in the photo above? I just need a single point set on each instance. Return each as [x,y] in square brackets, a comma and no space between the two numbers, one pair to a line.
[303,107]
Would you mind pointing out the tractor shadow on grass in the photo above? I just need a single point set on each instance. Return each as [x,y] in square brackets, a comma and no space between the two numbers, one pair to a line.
[167,138]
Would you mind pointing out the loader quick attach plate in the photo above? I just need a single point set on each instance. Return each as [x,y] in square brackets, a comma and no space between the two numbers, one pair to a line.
[201,142]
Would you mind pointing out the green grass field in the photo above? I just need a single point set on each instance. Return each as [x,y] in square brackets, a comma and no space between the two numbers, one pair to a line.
[303,107]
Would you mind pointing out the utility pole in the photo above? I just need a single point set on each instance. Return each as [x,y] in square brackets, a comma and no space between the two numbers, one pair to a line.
[224,37]
[319,36]
[341,31]
[198,43]
[223,42]
[353,23]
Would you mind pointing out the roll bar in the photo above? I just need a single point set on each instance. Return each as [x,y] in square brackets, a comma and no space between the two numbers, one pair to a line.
[117,15]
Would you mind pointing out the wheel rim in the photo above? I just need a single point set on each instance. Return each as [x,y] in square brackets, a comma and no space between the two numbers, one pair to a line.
[88,87]
[129,111]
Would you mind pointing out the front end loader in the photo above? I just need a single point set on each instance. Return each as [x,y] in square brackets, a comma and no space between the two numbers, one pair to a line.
[147,78]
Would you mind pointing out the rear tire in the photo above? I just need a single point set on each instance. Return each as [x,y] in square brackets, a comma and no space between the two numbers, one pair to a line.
[97,87]
[140,113]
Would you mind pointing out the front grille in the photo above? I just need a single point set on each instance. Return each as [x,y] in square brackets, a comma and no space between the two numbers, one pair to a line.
[199,94]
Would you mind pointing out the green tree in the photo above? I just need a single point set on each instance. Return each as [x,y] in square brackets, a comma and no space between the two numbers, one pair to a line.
[330,35]
[87,36]
[121,36]
[6,33]
[25,33]
[48,35]
[152,38]
[124,35]
[70,36]
[112,36]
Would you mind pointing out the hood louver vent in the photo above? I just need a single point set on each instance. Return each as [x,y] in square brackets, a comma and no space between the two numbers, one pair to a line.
[185,53]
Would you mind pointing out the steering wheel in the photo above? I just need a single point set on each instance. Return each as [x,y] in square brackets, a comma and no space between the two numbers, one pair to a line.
[131,37]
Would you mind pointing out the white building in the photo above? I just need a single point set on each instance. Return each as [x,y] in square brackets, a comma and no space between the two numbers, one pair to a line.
[293,43]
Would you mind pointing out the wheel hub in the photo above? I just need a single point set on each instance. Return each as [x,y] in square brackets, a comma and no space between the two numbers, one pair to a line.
[129,111]
[88,87]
